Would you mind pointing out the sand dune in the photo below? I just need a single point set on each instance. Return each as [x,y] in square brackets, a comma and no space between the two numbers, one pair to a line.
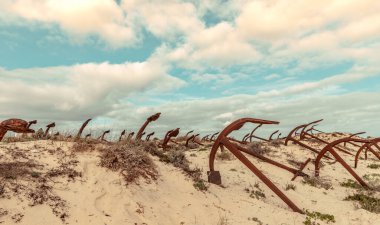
[101,196]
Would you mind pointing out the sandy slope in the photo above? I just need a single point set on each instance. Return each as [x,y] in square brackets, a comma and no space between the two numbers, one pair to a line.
[101,197]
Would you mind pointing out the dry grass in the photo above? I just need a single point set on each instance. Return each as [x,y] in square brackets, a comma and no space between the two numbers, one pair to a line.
[84,146]
[258,148]
[225,155]
[317,182]
[132,162]
[14,170]
[25,179]
[177,158]
[276,143]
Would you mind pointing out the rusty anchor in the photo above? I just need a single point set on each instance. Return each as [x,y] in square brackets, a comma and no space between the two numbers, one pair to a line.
[187,134]
[87,136]
[222,140]
[170,134]
[213,136]
[149,135]
[30,123]
[130,136]
[305,133]
[205,138]
[299,142]
[193,139]
[368,146]
[14,125]
[48,128]
[103,135]
[81,129]
[148,120]
[121,135]
[330,148]
[351,136]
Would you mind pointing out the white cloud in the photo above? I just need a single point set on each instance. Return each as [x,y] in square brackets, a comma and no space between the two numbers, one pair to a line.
[79,91]
[348,113]
[219,46]
[216,79]
[165,19]
[272,76]
[78,18]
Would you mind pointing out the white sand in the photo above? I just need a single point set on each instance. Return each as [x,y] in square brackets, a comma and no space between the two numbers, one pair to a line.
[101,197]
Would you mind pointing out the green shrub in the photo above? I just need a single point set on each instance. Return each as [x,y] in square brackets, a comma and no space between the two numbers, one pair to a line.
[313,217]
[374,166]
[366,202]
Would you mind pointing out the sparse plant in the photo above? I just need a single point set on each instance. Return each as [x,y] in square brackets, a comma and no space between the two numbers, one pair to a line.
[366,202]
[225,155]
[35,174]
[258,148]
[200,185]
[258,193]
[178,159]
[276,143]
[222,220]
[351,184]
[313,217]
[290,187]
[317,182]
[374,166]
[84,146]
[132,163]
[255,219]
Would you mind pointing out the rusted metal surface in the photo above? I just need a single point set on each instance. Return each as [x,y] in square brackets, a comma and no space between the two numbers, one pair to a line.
[82,128]
[294,140]
[245,138]
[271,136]
[30,123]
[187,134]
[130,136]
[222,140]
[48,128]
[368,147]
[170,134]
[14,125]
[148,120]
[149,135]
[193,139]
[295,172]
[351,136]
[188,140]
[251,136]
[104,134]
[330,148]
[305,132]
[214,177]
[253,131]
[205,138]
[121,135]
[213,136]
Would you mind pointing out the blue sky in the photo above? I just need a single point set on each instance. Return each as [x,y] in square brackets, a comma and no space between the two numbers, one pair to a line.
[202,64]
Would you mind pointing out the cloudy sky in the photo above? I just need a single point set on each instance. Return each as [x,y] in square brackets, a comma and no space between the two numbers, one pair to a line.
[202,63]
